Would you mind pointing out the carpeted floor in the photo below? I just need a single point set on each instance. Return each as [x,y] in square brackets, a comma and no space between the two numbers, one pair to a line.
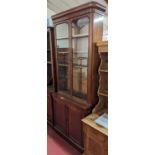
[58,146]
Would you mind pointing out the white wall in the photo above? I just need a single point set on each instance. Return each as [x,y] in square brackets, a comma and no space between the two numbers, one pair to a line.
[50,13]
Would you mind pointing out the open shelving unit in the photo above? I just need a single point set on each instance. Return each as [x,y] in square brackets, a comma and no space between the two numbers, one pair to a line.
[102,105]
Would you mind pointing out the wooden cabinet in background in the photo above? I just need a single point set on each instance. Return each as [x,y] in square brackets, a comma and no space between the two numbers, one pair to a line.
[51,75]
[49,109]
[76,32]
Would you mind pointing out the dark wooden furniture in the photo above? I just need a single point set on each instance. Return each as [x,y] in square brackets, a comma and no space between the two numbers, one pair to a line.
[76,31]
[95,136]
[51,79]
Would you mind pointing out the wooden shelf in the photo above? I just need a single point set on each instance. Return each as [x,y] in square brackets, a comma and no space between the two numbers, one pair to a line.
[63,52]
[103,70]
[103,47]
[81,58]
[102,43]
[62,38]
[63,65]
[80,35]
[103,52]
[103,94]
[79,66]
[80,52]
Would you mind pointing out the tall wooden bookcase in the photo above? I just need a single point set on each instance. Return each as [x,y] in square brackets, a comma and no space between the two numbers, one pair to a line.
[76,32]
[51,74]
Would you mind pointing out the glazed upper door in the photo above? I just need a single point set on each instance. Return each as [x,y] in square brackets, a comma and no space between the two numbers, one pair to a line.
[63,54]
[80,36]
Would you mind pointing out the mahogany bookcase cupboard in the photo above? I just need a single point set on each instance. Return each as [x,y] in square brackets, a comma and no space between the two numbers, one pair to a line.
[76,32]
[51,75]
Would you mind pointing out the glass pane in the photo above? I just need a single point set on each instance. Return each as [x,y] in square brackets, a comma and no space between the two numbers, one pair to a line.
[63,78]
[62,35]
[80,82]
[63,57]
[80,29]
[63,43]
[62,31]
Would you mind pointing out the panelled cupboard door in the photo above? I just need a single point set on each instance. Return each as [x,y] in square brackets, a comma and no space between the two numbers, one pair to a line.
[75,124]
[60,116]
[49,108]
[95,143]
[96,147]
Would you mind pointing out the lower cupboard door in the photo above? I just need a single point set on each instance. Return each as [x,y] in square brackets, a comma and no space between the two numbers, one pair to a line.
[75,125]
[60,120]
